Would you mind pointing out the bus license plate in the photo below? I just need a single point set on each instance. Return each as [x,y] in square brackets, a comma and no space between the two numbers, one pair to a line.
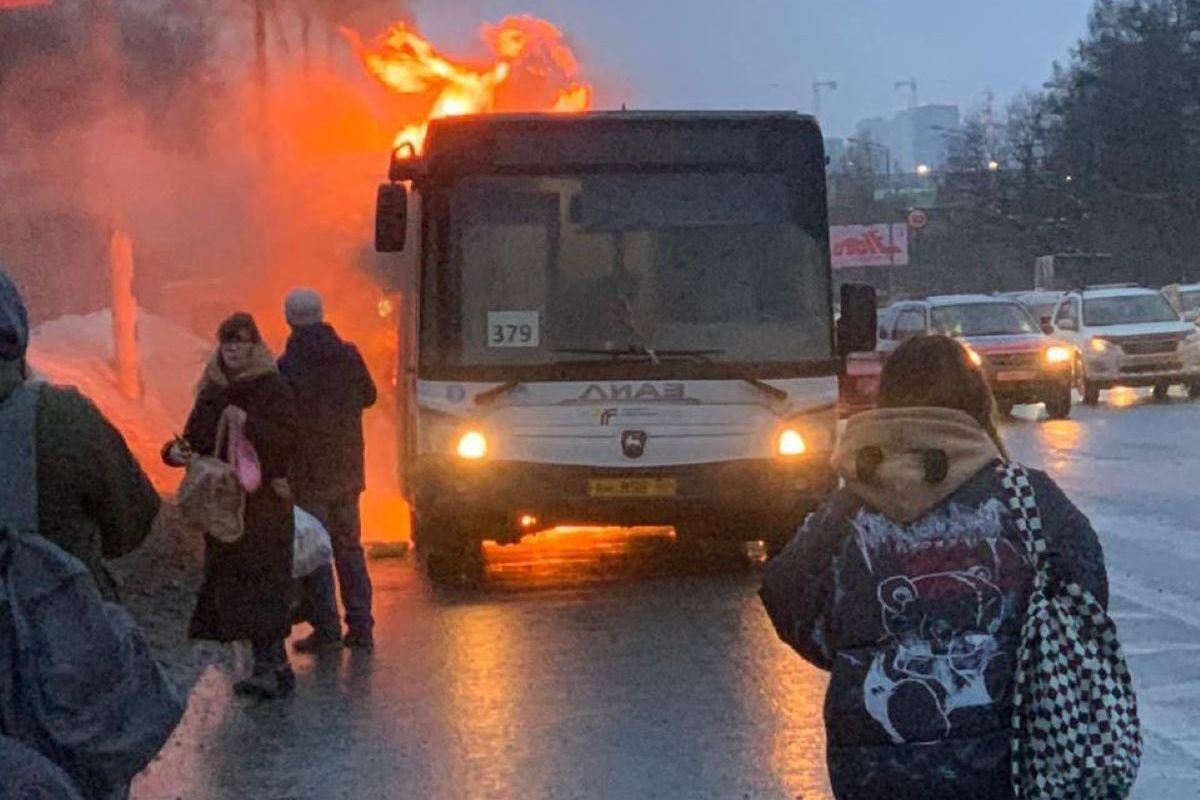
[1016,375]
[632,487]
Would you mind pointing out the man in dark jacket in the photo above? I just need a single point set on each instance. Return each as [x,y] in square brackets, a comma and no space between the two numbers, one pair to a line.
[332,388]
[65,471]
[910,586]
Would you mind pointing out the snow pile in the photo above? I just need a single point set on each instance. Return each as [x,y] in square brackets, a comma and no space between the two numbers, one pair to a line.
[78,351]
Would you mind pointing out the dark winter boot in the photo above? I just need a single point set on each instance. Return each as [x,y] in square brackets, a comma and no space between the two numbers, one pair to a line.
[360,639]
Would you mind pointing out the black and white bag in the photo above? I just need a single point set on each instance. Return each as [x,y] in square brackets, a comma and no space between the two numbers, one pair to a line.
[1076,734]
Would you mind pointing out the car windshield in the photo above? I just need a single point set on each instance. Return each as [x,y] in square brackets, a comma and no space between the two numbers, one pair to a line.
[1042,310]
[546,269]
[1128,309]
[982,319]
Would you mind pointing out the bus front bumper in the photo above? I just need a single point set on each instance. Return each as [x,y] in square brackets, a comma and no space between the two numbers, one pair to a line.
[503,500]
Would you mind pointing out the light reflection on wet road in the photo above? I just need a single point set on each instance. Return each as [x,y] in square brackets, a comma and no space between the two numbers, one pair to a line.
[593,664]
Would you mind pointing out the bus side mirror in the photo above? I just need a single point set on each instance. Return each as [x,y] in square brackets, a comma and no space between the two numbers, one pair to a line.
[1047,326]
[858,327]
[391,218]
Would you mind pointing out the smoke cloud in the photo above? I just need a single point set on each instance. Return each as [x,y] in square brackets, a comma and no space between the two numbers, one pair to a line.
[238,152]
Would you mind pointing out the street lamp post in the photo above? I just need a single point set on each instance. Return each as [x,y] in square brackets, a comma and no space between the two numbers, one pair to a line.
[816,90]
[887,153]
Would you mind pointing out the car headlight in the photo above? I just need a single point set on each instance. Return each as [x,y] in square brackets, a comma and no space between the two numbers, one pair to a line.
[791,443]
[472,446]
[1058,355]
[1098,345]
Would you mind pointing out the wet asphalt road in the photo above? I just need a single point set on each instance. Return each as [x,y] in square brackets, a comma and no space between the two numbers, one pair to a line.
[597,665]
[604,664]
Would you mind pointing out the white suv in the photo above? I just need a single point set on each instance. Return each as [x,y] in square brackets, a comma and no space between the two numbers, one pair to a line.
[1128,336]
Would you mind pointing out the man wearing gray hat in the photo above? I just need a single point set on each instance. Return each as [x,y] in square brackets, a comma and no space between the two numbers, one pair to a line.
[332,388]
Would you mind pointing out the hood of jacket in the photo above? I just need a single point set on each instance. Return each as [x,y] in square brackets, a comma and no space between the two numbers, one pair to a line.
[905,461]
[14,336]
[261,363]
[315,343]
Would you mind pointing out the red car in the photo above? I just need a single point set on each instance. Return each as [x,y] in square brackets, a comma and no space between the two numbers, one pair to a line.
[1023,364]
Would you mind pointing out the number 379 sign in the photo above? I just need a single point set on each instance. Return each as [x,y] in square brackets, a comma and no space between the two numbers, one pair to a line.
[512,329]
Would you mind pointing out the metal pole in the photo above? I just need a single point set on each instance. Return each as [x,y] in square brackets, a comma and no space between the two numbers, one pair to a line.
[891,242]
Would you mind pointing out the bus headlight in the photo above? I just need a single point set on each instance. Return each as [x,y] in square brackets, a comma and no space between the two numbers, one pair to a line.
[1057,355]
[791,443]
[472,446]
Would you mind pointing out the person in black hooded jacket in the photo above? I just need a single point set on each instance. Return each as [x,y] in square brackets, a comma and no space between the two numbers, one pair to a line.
[909,586]
[332,388]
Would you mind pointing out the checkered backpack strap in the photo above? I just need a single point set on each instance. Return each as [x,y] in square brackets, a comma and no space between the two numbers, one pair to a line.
[1022,502]
[1075,729]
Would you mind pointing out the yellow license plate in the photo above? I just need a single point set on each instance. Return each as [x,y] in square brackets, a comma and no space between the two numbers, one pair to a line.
[633,487]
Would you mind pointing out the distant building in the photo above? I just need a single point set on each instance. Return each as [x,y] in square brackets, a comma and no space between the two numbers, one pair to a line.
[915,136]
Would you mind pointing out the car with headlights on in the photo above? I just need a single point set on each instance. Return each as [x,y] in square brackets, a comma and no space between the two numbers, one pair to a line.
[1023,363]
[1129,336]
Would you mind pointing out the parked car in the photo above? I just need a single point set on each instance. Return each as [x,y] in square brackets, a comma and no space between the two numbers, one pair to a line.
[1129,336]
[1023,363]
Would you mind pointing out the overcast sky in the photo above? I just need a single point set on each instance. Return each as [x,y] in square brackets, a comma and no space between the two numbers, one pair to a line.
[767,53]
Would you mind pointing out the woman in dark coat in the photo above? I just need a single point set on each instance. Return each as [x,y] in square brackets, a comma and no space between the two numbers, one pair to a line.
[909,586]
[247,588]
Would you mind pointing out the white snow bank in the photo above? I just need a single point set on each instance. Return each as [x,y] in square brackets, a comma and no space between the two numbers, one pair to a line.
[78,351]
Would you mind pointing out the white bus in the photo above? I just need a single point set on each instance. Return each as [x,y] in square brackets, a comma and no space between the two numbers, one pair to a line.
[621,318]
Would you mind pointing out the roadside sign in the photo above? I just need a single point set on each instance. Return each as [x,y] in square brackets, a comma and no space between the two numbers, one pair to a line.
[917,219]
[879,245]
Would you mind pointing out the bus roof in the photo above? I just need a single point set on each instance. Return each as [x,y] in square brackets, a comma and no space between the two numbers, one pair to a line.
[608,139]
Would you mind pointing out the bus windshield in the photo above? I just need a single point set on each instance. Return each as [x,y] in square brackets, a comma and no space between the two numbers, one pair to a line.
[537,270]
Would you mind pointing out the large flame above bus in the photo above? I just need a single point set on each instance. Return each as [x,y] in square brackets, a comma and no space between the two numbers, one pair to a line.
[531,68]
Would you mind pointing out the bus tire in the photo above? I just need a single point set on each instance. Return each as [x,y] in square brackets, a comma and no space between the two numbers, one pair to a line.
[448,553]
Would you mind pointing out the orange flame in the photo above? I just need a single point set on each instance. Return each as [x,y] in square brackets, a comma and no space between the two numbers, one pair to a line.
[532,69]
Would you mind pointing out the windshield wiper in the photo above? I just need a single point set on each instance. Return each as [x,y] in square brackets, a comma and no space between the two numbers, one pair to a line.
[616,353]
[495,393]
[703,356]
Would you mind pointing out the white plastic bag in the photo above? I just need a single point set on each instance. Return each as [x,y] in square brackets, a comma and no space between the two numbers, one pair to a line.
[313,548]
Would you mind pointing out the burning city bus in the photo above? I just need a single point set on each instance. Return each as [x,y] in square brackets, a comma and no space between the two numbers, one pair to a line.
[622,318]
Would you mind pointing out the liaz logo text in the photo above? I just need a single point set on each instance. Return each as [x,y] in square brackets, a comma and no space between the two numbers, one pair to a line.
[643,392]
